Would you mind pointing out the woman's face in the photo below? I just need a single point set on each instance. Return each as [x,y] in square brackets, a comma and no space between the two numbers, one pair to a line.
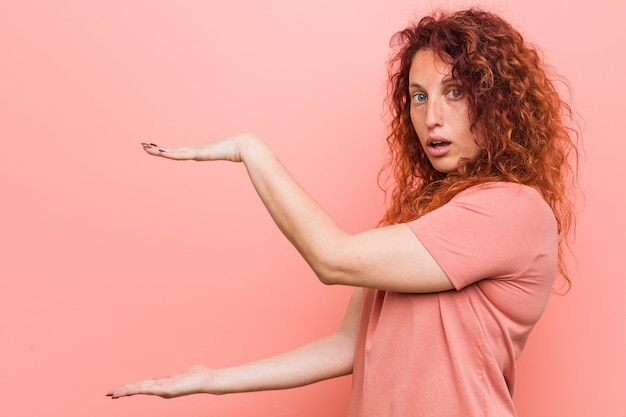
[439,112]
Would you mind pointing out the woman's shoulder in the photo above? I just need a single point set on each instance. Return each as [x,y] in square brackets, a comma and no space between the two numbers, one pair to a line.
[504,199]
[501,191]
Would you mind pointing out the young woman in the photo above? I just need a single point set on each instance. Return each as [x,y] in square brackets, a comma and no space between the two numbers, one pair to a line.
[449,286]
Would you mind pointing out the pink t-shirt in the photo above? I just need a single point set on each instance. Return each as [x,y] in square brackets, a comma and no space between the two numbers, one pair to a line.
[453,353]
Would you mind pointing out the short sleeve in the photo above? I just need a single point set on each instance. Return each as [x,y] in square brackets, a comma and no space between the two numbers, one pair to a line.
[490,231]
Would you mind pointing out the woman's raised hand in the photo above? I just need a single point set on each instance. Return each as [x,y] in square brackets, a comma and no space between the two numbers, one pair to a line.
[227,149]
[194,380]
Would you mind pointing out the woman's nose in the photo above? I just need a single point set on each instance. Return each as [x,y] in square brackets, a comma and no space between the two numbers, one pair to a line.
[433,113]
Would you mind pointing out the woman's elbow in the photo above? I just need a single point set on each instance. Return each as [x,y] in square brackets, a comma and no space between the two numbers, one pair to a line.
[332,273]
[333,266]
[325,275]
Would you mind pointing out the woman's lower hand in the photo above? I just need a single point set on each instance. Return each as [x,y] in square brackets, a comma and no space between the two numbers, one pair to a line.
[194,380]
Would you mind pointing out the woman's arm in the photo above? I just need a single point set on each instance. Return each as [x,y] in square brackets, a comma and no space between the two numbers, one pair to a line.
[390,258]
[326,358]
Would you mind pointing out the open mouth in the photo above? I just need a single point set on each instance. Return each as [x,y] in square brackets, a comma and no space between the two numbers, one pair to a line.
[438,143]
[438,147]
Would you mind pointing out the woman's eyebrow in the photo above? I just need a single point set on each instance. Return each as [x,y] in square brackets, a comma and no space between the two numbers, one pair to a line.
[449,79]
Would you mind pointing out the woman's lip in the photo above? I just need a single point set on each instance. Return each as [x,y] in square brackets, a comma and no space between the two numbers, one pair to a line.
[438,148]
[434,139]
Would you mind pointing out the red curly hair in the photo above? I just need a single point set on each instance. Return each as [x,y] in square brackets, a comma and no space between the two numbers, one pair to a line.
[515,111]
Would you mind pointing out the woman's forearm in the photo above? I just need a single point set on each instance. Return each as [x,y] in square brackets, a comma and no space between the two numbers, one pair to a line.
[307,226]
[323,359]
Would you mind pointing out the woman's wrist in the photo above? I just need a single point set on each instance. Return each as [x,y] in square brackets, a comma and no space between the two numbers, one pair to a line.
[215,384]
[248,145]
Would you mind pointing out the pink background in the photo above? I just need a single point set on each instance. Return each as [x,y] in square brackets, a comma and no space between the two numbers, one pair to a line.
[115,266]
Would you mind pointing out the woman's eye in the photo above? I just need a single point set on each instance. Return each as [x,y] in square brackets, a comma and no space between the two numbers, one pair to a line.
[455,93]
[419,97]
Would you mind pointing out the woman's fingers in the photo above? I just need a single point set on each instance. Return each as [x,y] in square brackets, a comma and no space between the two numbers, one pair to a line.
[191,381]
[162,387]
[201,152]
[178,153]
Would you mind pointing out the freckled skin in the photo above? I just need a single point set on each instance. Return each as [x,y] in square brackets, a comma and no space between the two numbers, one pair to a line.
[439,112]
